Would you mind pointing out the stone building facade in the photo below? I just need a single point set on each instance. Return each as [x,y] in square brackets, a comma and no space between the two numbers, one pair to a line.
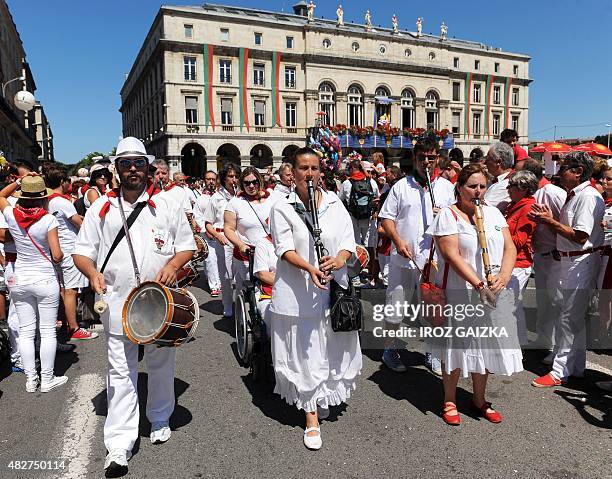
[220,83]
[18,130]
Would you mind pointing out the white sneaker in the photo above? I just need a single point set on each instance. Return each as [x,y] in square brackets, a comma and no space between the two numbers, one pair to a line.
[53,383]
[313,443]
[160,432]
[116,463]
[32,385]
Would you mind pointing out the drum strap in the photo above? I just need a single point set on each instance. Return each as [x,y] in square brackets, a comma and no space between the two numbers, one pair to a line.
[130,221]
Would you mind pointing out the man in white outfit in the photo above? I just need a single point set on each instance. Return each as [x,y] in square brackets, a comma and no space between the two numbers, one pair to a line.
[546,269]
[213,217]
[406,215]
[199,210]
[579,239]
[499,162]
[163,244]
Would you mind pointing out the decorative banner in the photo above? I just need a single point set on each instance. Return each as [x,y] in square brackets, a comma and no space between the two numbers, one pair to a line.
[507,95]
[468,93]
[489,87]
[243,72]
[209,112]
[276,109]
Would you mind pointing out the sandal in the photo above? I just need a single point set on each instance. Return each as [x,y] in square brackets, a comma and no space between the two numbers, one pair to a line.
[451,419]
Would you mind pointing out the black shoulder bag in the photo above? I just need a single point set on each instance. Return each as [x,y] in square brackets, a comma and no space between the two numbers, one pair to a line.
[346,310]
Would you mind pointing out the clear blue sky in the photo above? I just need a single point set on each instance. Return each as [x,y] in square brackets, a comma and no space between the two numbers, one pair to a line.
[79,51]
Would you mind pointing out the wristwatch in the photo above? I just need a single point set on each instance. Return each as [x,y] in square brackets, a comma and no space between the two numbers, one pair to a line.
[480,286]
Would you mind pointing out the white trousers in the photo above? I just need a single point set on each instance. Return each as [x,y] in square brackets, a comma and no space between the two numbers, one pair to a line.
[13,328]
[211,267]
[548,297]
[402,288]
[224,267]
[37,301]
[121,426]
[241,273]
[384,262]
[518,283]
[578,277]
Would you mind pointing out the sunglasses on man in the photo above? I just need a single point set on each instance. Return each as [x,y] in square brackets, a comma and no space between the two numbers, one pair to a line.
[422,157]
[126,163]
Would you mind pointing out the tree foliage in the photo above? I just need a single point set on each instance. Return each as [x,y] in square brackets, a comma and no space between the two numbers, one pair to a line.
[86,161]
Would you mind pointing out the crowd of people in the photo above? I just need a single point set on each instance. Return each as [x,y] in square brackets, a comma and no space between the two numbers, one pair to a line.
[478,227]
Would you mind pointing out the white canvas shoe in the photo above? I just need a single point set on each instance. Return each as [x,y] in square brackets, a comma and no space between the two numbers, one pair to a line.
[313,443]
[54,382]
[32,385]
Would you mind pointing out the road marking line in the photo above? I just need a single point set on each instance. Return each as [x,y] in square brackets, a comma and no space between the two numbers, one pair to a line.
[597,367]
[73,443]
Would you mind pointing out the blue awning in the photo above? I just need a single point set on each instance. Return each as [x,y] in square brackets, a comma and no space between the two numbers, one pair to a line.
[383,100]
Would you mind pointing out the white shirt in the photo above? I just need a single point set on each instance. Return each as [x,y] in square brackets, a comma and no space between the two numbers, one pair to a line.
[157,235]
[63,210]
[583,212]
[265,258]
[191,194]
[409,206]
[178,194]
[252,217]
[544,239]
[497,194]
[199,209]
[216,208]
[347,186]
[446,224]
[31,266]
[294,293]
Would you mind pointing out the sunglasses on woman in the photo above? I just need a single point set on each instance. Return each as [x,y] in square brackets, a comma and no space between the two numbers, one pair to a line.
[250,183]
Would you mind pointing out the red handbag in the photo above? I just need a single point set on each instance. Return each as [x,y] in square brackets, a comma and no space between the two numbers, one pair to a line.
[431,294]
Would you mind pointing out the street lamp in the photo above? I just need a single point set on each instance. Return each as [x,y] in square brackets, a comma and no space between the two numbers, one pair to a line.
[608,125]
[21,78]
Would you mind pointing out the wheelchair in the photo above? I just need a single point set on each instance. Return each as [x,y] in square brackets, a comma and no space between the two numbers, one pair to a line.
[252,343]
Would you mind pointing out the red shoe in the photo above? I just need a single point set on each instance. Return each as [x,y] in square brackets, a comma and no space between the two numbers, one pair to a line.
[83,334]
[451,419]
[215,293]
[546,381]
[493,417]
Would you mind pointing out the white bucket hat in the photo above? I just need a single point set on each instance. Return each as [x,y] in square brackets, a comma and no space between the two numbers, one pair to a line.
[131,147]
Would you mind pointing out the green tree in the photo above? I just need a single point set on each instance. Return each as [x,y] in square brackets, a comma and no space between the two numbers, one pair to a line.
[87,160]
[602,139]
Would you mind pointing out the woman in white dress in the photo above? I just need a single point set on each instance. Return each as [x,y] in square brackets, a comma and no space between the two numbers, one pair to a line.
[456,238]
[315,367]
[246,220]
[99,181]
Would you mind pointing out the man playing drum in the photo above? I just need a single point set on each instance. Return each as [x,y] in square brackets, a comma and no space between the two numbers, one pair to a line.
[162,243]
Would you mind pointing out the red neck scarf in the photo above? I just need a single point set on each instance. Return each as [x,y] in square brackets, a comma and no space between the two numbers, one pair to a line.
[114,193]
[55,194]
[169,186]
[608,202]
[26,217]
[358,176]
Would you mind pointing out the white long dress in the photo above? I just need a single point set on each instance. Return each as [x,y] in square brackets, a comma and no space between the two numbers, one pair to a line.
[498,355]
[313,364]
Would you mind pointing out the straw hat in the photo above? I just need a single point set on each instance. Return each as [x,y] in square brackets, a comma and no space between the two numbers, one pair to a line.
[33,187]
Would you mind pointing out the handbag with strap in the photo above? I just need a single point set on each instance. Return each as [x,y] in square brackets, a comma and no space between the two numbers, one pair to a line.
[346,310]
[432,294]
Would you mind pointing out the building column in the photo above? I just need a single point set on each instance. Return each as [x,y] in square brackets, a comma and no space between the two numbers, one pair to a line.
[341,108]
[396,112]
[369,109]
[419,114]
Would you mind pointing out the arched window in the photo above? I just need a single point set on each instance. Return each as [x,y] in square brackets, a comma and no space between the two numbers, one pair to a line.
[431,109]
[327,103]
[355,105]
[383,104]
[408,112]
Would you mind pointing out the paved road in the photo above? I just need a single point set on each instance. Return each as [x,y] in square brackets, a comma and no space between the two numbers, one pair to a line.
[225,425]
